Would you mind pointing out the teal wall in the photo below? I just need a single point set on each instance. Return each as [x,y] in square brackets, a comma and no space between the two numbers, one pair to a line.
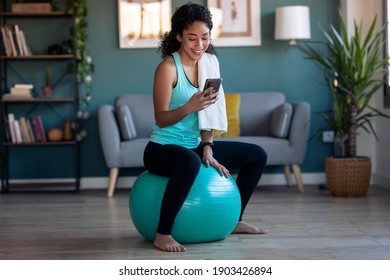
[273,66]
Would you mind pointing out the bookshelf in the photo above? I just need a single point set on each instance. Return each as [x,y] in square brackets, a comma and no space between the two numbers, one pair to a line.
[19,67]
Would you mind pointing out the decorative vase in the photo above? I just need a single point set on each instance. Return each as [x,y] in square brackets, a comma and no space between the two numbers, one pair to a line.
[55,134]
[348,176]
[68,131]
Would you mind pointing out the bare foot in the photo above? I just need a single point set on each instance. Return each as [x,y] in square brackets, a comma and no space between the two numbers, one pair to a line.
[167,243]
[243,227]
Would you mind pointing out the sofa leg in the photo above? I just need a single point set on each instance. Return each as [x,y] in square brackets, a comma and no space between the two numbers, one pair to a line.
[297,172]
[287,174]
[112,181]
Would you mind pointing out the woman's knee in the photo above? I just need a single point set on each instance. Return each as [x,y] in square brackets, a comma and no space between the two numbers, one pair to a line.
[262,154]
[259,154]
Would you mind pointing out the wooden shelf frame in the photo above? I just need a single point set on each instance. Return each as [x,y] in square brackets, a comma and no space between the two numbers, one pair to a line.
[49,14]
[39,56]
[7,183]
[39,100]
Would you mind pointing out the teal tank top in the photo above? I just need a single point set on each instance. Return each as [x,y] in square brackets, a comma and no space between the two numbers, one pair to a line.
[186,132]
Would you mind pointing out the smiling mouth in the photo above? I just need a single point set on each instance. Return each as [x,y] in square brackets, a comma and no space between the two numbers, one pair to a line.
[198,51]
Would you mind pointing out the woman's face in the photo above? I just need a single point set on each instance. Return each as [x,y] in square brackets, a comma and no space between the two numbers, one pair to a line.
[195,40]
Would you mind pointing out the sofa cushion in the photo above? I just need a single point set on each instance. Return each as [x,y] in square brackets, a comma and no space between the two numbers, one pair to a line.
[232,101]
[255,112]
[142,111]
[280,120]
[126,123]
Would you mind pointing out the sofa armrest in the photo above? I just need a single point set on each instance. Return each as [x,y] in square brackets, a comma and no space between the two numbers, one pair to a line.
[109,135]
[299,131]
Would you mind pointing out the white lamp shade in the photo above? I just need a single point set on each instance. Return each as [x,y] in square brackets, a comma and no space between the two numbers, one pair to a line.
[292,22]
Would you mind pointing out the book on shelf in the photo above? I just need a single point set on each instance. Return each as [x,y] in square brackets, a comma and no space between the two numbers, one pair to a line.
[34,129]
[30,130]
[39,129]
[26,86]
[14,41]
[18,133]
[9,40]
[26,48]
[14,96]
[42,129]
[20,91]
[6,42]
[11,118]
[24,130]
[7,131]
[18,40]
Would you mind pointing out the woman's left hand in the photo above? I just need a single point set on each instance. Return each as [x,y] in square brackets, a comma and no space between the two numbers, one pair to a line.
[209,160]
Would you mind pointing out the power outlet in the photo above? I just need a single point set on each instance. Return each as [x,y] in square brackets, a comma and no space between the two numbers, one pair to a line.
[327,136]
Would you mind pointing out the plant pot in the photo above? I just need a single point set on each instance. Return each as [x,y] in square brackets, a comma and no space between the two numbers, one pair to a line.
[46,91]
[348,176]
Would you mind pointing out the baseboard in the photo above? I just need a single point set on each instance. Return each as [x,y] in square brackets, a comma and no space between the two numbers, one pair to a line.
[96,183]
[267,179]
[93,183]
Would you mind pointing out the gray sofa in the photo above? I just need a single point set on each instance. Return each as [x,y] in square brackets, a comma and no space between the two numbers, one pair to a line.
[265,118]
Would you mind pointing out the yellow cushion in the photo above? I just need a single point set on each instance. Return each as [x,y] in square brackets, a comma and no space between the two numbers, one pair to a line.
[233,118]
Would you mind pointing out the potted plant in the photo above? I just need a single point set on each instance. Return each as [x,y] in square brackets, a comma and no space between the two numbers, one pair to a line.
[46,89]
[354,70]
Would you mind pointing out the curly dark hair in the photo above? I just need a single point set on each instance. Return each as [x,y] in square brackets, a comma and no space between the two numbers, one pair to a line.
[183,17]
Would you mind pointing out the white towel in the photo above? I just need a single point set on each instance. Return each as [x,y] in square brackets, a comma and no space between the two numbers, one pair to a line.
[214,116]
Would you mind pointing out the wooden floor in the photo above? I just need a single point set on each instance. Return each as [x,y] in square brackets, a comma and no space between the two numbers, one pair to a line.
[88,225]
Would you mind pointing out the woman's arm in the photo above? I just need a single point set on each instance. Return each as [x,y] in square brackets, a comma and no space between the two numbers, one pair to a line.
[207,136]
[208,159]
[165,79]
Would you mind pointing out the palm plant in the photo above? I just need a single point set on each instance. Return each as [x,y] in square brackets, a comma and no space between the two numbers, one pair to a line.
[354,71]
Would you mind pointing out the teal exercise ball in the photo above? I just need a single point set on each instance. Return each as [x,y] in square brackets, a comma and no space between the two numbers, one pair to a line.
[209,213]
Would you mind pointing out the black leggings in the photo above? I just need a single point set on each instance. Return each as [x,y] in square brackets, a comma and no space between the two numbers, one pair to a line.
[182,165]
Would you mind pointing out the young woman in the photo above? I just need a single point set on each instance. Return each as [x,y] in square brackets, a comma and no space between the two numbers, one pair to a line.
[177,147]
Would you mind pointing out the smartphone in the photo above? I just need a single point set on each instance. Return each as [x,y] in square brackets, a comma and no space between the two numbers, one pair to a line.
[215,83]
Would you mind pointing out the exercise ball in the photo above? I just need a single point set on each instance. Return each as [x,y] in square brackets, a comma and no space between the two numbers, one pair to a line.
[210,211]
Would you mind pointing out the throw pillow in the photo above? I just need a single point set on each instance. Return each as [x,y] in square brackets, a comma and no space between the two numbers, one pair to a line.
[126,123]
[280,120]
[232,101]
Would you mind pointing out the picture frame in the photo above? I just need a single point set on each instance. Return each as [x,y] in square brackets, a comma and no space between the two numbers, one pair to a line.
[236,22]
[142,22]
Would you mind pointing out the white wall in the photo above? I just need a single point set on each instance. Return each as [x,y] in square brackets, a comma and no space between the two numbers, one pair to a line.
[367,144]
